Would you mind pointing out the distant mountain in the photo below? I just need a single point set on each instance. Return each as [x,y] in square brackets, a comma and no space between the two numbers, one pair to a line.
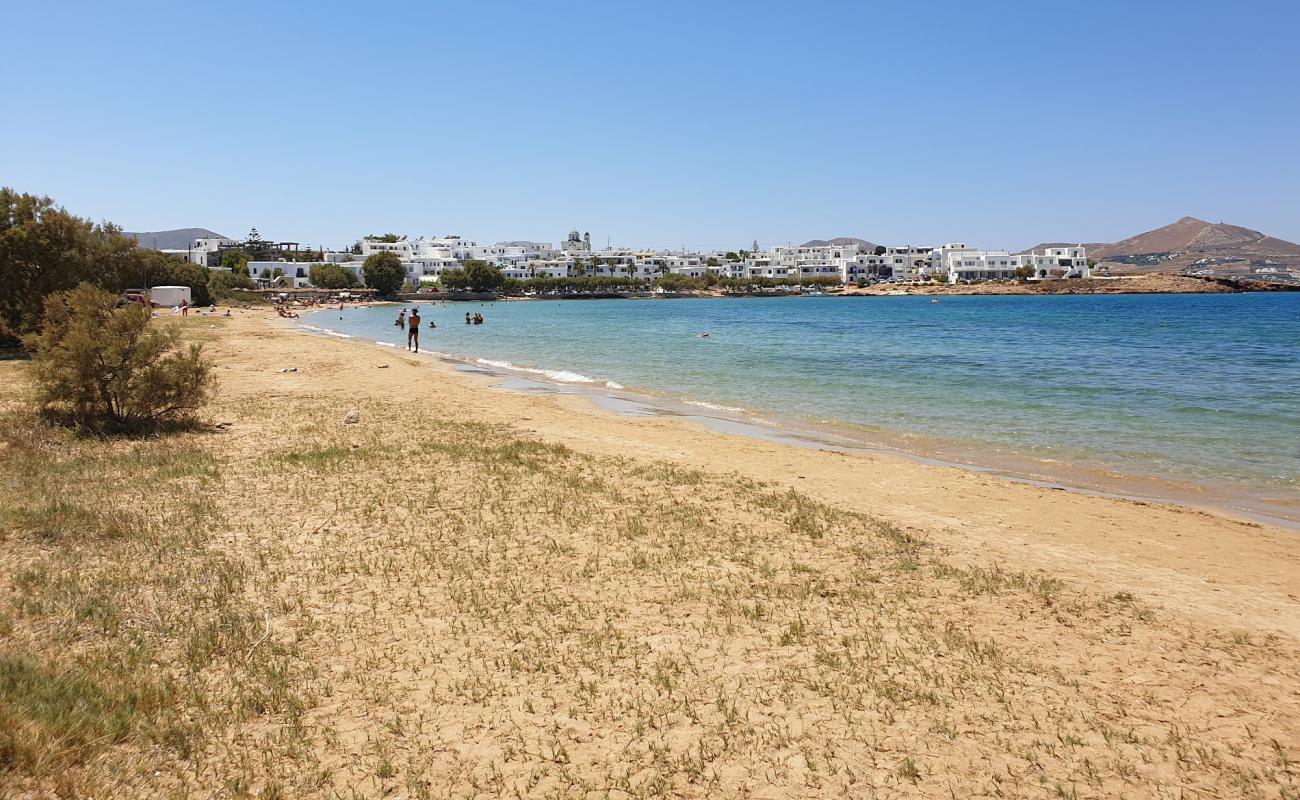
[178,239]
[1192,242]
[839,241]
[1190,235]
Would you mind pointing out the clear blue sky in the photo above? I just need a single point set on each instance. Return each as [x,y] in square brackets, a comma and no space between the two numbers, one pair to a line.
[658,123]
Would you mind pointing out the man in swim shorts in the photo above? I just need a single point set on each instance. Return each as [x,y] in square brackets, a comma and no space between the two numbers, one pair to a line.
[413,329]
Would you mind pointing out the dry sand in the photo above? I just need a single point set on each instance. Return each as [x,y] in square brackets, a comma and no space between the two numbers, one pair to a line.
[485,593]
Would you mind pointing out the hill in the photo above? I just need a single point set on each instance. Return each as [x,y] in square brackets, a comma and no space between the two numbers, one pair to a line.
[839,241]
[177,239]
[1190,235]
[1195,243]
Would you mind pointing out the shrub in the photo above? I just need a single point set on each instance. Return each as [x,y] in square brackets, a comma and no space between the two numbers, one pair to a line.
[167,270]
[221,285]
[332,276]
[384,272]
[108,368]
[235,261]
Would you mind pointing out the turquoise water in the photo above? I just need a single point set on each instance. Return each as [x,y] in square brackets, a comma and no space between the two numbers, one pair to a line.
[1188,387]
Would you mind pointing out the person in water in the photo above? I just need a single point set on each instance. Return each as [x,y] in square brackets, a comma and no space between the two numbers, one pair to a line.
[401,319]
[413,330]
[478,319]
[467,319]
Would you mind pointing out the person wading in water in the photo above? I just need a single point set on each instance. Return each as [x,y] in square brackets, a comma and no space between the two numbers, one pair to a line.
[413,330]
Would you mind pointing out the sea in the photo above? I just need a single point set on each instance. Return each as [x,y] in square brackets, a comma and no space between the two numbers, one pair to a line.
[1187,398]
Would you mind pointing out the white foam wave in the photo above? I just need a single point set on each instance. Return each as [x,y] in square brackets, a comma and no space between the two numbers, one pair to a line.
[560,375]
[326,331]
[385,344]
[612,385]
[564,376]
[712,406]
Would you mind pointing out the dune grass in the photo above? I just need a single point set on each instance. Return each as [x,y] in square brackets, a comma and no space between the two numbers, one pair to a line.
[421,607]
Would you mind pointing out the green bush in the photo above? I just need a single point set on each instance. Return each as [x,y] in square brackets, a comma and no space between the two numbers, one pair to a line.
[235,261]
[332,276]
[112,369]
[167,270]
[222,285]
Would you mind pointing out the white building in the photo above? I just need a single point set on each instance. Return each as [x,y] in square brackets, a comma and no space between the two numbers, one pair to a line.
[576,244]
[369,246]
[1059,262]
[963,264]
[204,251]
[296,271]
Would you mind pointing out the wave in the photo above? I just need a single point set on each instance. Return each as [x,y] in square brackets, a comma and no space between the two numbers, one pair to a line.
[612,385]
[560,375]
[711,406]
[327,332]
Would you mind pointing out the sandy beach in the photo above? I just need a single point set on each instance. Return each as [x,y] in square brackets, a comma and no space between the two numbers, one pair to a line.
[479,592]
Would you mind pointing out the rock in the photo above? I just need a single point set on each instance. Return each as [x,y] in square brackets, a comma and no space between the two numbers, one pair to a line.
[352,417]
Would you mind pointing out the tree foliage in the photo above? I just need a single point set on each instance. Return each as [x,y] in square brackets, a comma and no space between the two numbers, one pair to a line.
[384,273]
[235,261]
[454,280]
[163,269]
[45,249]
[222,285]
[332,276]
[109,368]
[481,276]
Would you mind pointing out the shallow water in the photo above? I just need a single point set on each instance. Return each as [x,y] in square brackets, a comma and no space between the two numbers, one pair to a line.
[1200,388]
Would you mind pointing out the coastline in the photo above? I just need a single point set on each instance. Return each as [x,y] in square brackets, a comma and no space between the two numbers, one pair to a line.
[1224,563]
[1137,284]
[759,423]
[390,568]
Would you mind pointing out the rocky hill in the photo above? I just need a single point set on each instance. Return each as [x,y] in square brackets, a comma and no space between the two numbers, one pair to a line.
[177,239]
[1194,243]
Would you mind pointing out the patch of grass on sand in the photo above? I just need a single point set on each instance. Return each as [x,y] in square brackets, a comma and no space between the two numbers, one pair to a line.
[128,640]
[424,608]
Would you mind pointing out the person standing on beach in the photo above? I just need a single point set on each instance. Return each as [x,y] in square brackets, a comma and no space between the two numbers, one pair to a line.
[413,329]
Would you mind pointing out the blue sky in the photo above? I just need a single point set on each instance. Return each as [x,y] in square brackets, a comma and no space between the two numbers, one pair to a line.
[659,123]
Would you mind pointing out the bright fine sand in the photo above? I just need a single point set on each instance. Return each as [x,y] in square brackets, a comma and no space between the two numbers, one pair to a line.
[479,593]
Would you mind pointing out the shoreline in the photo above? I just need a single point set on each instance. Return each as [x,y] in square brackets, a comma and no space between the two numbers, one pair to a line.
[1137,284]
[1215,561]
[842,436]
[386,565]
